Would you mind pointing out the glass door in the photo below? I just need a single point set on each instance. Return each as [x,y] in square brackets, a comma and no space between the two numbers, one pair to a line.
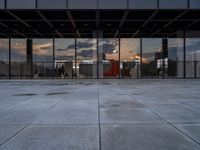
[108,58]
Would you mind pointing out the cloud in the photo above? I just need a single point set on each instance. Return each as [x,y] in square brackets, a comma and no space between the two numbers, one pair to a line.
[84,45]
[81,45]
[86,53]
[108,48]
[71,46]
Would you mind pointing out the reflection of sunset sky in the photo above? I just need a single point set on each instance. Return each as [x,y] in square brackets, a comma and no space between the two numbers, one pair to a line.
[42,47]
[4,56]
[86,48]
[130,49]
[19,46]
[64,49]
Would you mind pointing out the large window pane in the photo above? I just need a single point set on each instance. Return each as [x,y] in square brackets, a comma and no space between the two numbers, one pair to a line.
[19,66]
[130,58]
[151,57]
[64,58]
[86,58]
[4,58]
[175,57]
[109,58]
[192,57]
[43,58]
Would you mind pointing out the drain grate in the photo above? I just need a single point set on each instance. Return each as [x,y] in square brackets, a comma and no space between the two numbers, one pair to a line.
[27,94]
[58,93]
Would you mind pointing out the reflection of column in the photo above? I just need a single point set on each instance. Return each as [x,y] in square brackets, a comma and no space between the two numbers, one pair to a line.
[100,55]
[29,51]
[101,58]
[164,55]
[29,57]
[180,54]
[94,55]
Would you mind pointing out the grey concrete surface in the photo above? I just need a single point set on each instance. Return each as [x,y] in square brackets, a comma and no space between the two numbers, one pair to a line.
[100,114]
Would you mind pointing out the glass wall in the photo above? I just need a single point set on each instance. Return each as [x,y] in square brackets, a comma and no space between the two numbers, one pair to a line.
[106,58]
[130,58]
[86,64]
[19,66]
[108,54]
[4,58]
[151,57]
[175,58]
[192,57]
[64,58]
[43,66]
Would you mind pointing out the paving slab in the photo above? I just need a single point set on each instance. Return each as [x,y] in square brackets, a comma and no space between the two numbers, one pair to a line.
[64,137]
[192,130]
[69,115]
[178,113]
[127,116]
[7,131]
[144,137]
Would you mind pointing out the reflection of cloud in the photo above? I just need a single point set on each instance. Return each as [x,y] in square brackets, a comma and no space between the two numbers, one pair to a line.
[71,46]
[109,48]
[43,49]
[86,53]
[84,45]
[45,46]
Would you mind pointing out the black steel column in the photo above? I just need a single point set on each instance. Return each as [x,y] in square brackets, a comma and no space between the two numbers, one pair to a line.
[141,57]
[5,3]
[9,58]
[29,55]
[158,3]
[188,3]
[75,58]
[195,69]
[184,55]
[164,55]
[53,56]
[97,33]
[119,50]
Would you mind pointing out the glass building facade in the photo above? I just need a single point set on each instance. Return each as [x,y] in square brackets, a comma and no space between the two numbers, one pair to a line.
[82,58]
[99,39]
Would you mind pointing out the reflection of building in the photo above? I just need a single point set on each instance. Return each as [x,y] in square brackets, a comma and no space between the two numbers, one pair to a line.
[99,39]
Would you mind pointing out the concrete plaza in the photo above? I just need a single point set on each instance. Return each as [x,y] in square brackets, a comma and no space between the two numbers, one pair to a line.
[100,115]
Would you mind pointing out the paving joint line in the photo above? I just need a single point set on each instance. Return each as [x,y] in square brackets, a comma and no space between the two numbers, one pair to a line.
[99,119]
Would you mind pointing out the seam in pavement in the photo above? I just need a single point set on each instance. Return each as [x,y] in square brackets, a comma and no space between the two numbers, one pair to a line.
[147,107]
[88,124]
[99,119]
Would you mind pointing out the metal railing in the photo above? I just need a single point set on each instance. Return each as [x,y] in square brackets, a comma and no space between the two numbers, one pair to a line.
[70,70]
